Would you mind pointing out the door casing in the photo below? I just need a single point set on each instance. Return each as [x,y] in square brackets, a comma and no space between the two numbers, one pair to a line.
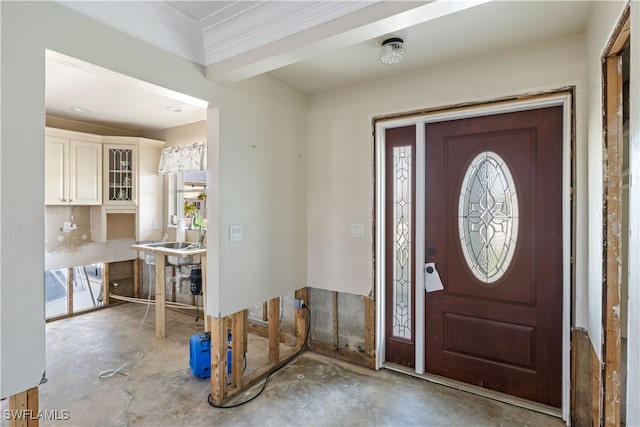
[559,98]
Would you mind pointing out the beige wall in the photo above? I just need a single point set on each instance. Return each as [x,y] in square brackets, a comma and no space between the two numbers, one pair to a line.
[340,147]
[181,135]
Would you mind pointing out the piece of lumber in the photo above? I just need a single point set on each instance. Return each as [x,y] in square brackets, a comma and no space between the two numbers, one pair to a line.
[274,330]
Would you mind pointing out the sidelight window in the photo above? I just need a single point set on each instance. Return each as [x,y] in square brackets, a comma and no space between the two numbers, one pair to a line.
[401,199]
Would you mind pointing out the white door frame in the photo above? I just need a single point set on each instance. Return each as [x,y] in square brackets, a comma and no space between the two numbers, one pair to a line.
[563,99]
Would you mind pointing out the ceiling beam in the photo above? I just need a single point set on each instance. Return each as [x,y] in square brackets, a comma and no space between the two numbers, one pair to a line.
[378,20]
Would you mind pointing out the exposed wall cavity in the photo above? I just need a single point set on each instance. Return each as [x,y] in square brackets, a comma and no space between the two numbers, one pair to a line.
[57,237]
[337,319]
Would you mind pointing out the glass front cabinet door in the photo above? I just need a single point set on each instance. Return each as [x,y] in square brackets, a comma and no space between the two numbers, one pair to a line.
[120,175]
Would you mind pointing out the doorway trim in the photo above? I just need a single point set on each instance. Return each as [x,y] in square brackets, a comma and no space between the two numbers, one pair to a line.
[562,97]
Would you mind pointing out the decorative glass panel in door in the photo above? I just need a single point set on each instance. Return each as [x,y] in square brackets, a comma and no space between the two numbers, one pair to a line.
[401,190]
[120,175]
[488,217]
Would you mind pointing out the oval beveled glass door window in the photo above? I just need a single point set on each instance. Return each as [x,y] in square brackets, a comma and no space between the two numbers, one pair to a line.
[488,217]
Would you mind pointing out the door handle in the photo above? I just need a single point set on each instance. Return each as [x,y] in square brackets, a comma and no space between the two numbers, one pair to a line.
[431,251]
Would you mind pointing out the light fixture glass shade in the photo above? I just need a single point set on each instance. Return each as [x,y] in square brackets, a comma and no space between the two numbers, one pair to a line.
[392,51]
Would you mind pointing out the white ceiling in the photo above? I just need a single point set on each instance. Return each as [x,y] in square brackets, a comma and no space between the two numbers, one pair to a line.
[113,99]
[314,46]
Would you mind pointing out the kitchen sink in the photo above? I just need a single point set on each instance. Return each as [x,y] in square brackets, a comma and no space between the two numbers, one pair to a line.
[176,245]
[179,246]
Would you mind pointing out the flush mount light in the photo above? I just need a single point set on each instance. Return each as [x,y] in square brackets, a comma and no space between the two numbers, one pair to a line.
[79,109]
[174,109]
[392,51]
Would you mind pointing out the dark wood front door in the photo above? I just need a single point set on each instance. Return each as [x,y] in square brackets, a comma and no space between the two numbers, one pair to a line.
[494,231]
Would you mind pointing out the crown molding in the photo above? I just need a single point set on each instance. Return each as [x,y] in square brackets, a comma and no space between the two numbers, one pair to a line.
[151,22]
[217,48]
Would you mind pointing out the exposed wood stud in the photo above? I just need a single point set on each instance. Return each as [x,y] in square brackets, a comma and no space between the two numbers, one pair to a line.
[596,389]
[105,284]
[26,404]
[160,297]
[613,241]
[245,330]
[218,358]
[136,277]
[369,326]
[335,321]
[70,275]
[259,374]
[274,330]
[237,348]
[301,316]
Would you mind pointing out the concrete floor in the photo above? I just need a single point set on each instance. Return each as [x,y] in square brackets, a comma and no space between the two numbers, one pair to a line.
[312,391]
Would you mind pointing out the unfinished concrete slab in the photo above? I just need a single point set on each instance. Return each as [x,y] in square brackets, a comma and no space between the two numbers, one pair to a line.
[313,390]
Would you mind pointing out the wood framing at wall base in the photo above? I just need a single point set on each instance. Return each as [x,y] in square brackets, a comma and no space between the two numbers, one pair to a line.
[369,327]
[223,390]
[302,319]
[609,385]
[24,408]
[274,330]
[581,378]
[596,389]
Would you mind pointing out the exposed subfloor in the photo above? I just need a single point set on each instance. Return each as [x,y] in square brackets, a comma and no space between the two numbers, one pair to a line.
[313,390]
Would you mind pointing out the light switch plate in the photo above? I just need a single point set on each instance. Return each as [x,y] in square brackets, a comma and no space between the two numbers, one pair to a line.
[357,230]
[236,233]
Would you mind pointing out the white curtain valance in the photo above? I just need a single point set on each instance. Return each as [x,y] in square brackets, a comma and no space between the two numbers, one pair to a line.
[183,158]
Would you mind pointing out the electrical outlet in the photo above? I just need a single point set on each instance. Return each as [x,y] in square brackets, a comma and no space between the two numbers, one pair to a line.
[298,303]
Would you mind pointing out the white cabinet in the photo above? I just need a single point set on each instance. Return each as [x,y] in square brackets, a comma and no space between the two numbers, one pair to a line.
[73,168]
[133,191]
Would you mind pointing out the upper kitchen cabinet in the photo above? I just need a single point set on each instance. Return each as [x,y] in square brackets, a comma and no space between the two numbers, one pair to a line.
[73,168]
[133,191]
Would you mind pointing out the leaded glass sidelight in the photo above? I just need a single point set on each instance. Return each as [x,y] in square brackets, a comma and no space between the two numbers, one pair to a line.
[488,217]
[401,199]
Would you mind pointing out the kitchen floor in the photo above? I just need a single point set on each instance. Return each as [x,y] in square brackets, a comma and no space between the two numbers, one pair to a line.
[311,391]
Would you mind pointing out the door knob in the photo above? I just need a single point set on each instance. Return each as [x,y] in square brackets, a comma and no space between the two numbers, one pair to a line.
[431,251]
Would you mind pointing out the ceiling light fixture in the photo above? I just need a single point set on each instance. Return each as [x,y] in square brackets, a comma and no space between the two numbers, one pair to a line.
[79,109]
[392,51]
[174,109]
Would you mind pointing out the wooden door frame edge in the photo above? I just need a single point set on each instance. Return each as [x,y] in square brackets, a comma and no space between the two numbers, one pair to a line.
[609,383]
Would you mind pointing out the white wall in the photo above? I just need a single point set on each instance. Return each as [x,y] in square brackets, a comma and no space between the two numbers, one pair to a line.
[268,263]
[262,187]
[603,19]
[633,314]
[340,147]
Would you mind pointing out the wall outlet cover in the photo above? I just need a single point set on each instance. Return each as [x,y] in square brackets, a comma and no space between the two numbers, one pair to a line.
[357,230]
[236,233]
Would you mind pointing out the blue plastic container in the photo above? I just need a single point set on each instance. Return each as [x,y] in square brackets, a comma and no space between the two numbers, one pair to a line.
[200,355]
